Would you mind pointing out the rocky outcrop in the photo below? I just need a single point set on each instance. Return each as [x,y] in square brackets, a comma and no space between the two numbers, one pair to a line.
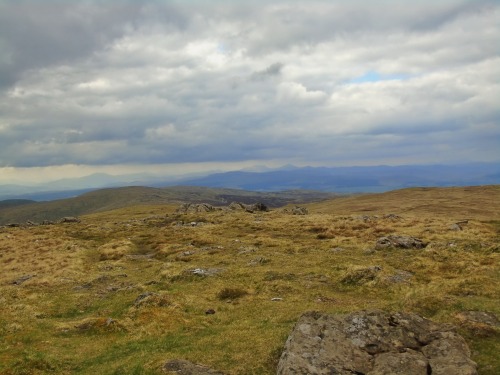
[195,208]
[256,207]
[400,242]
[374,343]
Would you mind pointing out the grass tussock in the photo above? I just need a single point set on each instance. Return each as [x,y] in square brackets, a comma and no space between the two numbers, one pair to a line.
[126,290]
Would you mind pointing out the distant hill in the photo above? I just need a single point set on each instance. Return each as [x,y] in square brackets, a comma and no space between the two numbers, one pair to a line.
[113,198]
[14,203]
[329,179]
[355,179]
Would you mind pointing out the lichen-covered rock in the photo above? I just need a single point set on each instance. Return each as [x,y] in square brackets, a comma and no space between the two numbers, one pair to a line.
[401,242]
[195,208]
[373,343]
[296,210]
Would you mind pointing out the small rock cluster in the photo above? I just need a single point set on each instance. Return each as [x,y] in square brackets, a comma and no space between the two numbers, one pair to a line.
[400,242]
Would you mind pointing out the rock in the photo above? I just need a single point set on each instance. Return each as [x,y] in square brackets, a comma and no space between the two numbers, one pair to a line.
[337,249]
[237,206]
[392,217]
[261,207]
[459,225]
[296,210]
[400,277]
[373,343]
[479,323]
[205,272]
[182,367]
[409,362]
[483,317]
[256,207]
[401,242]
[22,279]
[210,312]
[359,276]
[69,219]
[195,208]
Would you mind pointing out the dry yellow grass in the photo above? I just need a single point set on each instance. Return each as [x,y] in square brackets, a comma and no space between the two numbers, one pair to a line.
[116,293]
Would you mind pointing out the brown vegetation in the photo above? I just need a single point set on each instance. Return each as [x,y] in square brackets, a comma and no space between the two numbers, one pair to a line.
[124,291]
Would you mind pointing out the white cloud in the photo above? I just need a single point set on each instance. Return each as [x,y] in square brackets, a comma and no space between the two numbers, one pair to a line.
[194,82]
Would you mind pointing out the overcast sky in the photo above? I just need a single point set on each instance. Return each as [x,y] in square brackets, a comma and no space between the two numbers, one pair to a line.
[181,86]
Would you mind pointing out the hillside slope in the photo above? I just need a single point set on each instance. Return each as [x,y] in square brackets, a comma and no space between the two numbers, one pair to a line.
[124,291]
[113,198]
[480,202]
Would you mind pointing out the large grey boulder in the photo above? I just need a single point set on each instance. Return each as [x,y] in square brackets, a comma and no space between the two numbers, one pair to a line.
[373,343]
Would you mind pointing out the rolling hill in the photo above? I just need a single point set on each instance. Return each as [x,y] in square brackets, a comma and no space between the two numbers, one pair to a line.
[113,198]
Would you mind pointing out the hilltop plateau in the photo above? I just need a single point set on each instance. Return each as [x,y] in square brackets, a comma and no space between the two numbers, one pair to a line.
[133,285]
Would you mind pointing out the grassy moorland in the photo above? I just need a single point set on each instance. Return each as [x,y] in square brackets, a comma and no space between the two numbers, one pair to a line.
[116,293]
[19,211]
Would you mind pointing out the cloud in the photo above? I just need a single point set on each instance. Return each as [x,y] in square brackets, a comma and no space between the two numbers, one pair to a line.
[166,82]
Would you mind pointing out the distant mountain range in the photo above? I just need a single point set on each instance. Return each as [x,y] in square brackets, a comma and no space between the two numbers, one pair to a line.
[327,179]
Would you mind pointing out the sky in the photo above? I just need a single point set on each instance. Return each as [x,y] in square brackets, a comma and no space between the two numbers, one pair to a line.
[180,87]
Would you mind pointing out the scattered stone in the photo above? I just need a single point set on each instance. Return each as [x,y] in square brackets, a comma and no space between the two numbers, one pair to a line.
[360,276]
[392,217]
[458,226]
[400,277]
[296,210]
[374,343]
[83,286]
[337,249]
[183,367]
[258,261]
[276,299]
[99,324]
[237,206]
[205,272]
[195,208]
[210,312]
[367,218]
[151,299]
[246,250]
[260,207]
[22,279]
[256,207]
[47,222]
[400,242]
[70,219]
